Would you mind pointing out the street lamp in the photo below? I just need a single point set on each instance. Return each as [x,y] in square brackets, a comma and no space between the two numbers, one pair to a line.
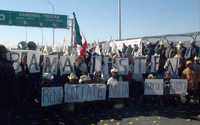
[119,14]
[53,9]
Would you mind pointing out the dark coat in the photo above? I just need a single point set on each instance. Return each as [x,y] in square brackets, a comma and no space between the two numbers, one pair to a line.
[7,81]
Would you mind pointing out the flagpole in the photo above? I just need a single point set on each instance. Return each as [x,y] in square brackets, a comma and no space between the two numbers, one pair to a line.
[72,31]
[119,14]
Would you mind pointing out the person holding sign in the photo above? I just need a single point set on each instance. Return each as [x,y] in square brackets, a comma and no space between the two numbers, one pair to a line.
[113,80]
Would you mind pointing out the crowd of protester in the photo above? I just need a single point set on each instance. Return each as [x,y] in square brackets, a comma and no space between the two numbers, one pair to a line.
[24,87]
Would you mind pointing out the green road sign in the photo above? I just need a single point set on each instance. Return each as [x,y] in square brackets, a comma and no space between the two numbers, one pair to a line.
[15,18]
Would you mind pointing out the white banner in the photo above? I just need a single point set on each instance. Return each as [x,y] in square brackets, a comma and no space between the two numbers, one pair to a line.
[50,64]
[51,96]
[178,86]
[120,90]
[84,92]
[153,87]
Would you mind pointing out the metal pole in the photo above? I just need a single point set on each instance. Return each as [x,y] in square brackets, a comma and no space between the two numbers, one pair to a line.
[53,9]
[42,36]
[26,35]
[119,12]
[72,31]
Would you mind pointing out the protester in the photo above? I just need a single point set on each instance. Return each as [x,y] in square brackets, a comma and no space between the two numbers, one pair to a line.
[114,79]
[170,51]
[192,51]
[7,89]
[193,80]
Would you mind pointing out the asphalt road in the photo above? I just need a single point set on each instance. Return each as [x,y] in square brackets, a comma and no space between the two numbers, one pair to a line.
[104,114]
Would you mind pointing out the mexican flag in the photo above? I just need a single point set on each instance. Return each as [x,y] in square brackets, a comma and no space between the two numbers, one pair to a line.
[77,34]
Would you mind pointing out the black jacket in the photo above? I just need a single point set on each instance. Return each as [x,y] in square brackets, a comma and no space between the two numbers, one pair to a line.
[7,88]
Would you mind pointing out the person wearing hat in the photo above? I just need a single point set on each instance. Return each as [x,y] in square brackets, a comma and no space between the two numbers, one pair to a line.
[73,79]
[7,89]
[170,51]
[181,49]
[192,77]
[192,51]
[84,79]
[113,79]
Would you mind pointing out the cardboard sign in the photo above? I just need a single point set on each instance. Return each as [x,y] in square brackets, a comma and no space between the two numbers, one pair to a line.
[122,65]
[140,65]
[66,64]
[84,92]
[153,87]
[51,96]
[178,86]
[120,90]
[50,64]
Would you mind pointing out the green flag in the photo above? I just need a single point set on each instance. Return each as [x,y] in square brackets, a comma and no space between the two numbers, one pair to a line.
[77,34]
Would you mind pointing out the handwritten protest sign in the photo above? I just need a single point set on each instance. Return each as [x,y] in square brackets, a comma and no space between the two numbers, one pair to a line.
[155,63]
[122,65]
[140,64]
[153,87]
[172,65]
[107,66]
[50,64]
[51,96]
[120,90]
[16,58]
[96,64]
[178,86]
[33,60]
[66,64]
[84,92]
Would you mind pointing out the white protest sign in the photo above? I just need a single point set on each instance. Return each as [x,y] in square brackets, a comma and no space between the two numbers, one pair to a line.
[84,92]
[172,65]
[120,90]
[16,58]
[50,64]
[122,65]
[140,64]
[178,86]
[153,87]
[96,64]
[107,66]
[33,60]
[51,96]
[155,63]
[66,64]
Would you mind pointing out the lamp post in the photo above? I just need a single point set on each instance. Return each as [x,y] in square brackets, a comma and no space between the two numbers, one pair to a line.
[53,9]
[119,15]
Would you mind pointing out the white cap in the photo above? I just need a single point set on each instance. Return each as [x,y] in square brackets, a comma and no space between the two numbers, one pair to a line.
[180,42]
[114,70]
